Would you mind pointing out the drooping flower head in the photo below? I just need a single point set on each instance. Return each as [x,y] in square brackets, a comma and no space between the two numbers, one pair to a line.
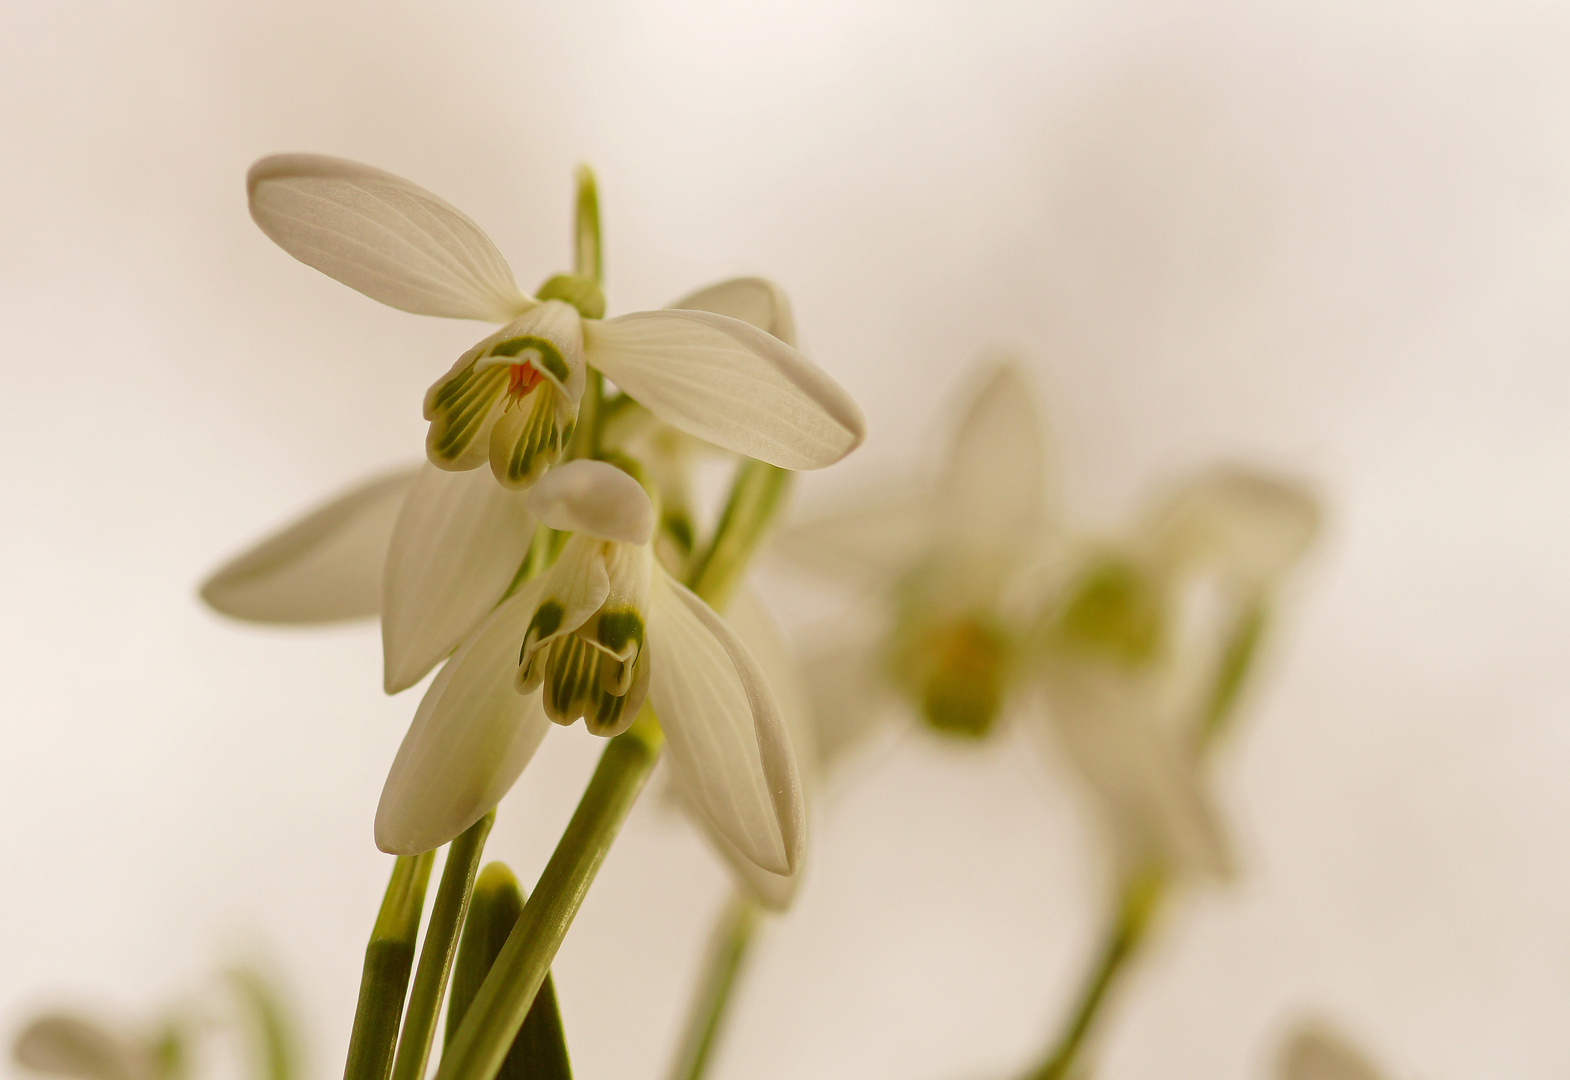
[513,399]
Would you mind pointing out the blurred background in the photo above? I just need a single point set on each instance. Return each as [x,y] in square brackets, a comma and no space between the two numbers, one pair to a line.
[1329,238]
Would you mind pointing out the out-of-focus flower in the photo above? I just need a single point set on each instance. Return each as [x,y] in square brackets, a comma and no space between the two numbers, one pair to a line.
[71,1045]
[1315,1051]
[1121,643]
[1141,652]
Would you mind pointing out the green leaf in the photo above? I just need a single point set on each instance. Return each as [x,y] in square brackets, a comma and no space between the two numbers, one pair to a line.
[539,1052]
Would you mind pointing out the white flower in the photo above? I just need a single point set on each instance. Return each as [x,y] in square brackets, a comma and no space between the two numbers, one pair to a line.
[456,550]
[80,1048]
[588,639]
[967,567]
[513,398]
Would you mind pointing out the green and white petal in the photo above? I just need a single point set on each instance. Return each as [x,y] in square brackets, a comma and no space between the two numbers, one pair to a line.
[471,737]
[378,233]
[458,543]
[730,383]
[1249,526]
[323,568]
[992,492]
[599,673]
[597,498]
[1314,1051]
[548,338]
[728,739]
[61,1044]
[573,590]
[1152,789]
[753,300]
[463,407]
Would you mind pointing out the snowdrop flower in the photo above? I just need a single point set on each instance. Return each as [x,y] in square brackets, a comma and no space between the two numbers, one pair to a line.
[513,398]
[992,606]
[604,627]
[1143,652]
[69,1045]
[942,558]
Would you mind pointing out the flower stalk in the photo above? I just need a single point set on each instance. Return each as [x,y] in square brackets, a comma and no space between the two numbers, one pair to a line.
[756,496]
[441,943]
[492,1021]
[733,935]
[388,960]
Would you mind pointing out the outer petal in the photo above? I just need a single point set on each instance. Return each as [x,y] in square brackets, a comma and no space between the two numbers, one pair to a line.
[730,383]
[756,628]
[1151,789]
[594,497]
[727,734]
[325,567]
[64,1045]
[376,232]
[1315,1052]
[753,300]
[1249,525]
[471,737]
[457,545]
[992,491]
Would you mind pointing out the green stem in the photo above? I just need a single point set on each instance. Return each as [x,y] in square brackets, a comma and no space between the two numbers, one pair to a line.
[586,435]
[388,958]
[1232,670]
[756,493]
[436,956]
[499,1009]
[732,938]
[588,255]
[1137,906]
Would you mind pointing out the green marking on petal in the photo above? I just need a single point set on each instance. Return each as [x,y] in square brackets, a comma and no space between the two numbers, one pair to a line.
[459,408]
[616,629]
[529,439]
[584,681]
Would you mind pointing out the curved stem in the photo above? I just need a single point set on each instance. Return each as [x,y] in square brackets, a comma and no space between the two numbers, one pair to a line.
[1140,898]
[588,256]
[733,933]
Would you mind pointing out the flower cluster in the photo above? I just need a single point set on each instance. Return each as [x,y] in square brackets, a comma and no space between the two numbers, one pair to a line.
[541,585]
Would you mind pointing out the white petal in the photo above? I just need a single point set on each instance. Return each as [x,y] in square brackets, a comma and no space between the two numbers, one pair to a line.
[471,737]
[730,383]
[753,300]
[594,497]
[1247,524]
[1152,789]
[869,543]
[756,628]
[324,567]
[728,738]
[376,232]
[457,545]
[1315,1052]
[65,1045]
[992,491]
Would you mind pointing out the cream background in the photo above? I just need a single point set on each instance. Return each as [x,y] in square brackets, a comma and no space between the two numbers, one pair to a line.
[1332,237]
